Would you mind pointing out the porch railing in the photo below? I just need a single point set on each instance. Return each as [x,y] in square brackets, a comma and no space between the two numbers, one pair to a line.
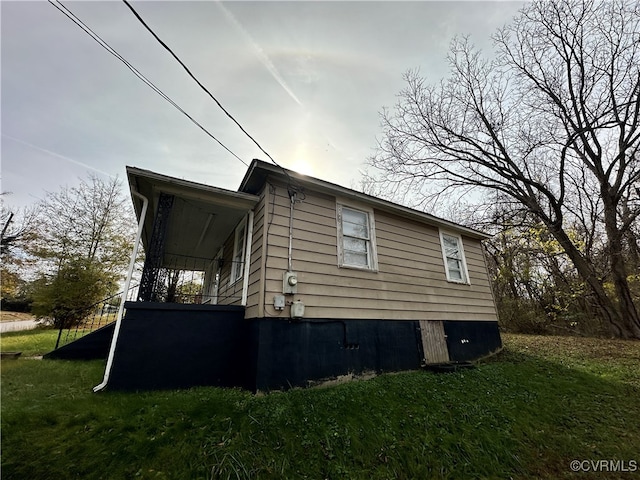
[181,279]
[185,279]
[103,313]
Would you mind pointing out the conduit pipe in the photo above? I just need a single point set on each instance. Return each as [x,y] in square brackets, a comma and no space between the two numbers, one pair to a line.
[292,198]
[127,286]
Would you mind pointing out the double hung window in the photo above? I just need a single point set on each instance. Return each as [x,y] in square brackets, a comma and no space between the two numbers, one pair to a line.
[237,264]
[453,256]
[356,241]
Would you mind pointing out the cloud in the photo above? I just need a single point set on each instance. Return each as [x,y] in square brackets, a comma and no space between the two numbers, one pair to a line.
[260,53]
[57,155]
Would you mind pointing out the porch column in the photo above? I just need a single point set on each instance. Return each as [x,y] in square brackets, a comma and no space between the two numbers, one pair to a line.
[153,275]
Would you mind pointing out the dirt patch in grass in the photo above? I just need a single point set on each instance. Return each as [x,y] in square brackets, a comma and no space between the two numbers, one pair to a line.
[610,359]
[15,316]
[576,347]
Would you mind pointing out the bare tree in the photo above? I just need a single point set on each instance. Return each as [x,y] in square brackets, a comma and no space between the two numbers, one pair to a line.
[552,123]
[17,227]
[17,231]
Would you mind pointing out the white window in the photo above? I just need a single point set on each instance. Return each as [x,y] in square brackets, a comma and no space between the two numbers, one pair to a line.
[212,276]
[237,263]
[356,239]
[453,255]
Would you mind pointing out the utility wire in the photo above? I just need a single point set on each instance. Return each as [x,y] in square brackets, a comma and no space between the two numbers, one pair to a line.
[135,71]
[137,15]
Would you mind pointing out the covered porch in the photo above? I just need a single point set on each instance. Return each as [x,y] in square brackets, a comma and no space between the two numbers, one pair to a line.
[183,230]
[181,318]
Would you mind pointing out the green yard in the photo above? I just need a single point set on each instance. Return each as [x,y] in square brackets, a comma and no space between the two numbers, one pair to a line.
[542,403]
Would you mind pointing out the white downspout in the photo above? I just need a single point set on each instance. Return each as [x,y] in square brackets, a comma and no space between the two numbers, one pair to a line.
[247,259]
[127,285]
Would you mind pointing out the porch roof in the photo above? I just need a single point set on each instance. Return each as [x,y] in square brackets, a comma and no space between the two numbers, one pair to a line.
[202,216]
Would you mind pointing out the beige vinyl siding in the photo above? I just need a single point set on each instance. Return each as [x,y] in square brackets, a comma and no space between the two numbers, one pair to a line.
[410,283]
[229,294]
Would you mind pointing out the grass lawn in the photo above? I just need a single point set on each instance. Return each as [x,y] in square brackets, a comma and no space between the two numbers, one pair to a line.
[541,403]
[31,343]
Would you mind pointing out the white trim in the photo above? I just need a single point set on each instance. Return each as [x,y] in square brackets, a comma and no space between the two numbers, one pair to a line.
[247,261]
[463,260]
[187,188]
[372,250]
[258,166]
[213,283]
[234,277]
[127,285]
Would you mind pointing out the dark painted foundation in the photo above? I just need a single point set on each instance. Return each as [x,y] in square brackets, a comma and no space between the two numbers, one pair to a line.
[469,341]
[164,346]
[93,346]
[302,352]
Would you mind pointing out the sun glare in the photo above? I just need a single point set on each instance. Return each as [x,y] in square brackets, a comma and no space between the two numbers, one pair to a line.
[302,166]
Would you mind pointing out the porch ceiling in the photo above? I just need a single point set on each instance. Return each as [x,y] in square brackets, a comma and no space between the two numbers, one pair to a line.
[201,219]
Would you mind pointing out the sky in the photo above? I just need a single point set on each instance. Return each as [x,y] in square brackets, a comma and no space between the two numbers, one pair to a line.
[307,80]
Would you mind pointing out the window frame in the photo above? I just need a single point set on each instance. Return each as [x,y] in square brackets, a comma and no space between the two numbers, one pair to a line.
[215,276]
[463,260]
[237,267]
[372,251]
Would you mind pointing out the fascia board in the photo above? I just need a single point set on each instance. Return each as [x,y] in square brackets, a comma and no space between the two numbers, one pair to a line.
[259,167]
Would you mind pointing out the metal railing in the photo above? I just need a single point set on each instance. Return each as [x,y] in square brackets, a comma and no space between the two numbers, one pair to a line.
[103,313]
[181,279]
[185,279]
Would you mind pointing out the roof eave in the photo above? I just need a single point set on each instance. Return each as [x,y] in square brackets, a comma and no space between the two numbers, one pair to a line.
[172,185]
[259,170]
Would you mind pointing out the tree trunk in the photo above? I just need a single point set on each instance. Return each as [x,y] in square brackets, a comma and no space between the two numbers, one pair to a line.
[627,308]
[621,325]
[630,237]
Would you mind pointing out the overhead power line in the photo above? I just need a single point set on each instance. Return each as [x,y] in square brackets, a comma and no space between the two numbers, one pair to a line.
[137,15]
[136,72]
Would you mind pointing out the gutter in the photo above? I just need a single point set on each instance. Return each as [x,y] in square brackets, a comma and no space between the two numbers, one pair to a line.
[260,170]
[127,286]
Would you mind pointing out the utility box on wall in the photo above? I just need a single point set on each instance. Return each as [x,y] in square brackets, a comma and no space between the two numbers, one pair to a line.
[297,309]
[289,283]
[279,302]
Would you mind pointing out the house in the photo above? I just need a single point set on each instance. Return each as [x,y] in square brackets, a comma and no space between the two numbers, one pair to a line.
[292,280]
